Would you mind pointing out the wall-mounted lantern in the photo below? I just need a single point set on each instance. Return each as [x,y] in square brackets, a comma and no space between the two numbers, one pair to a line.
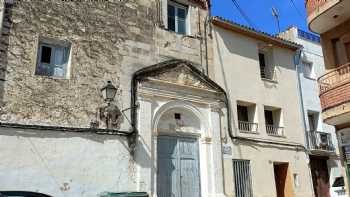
[110,114]
[109,91]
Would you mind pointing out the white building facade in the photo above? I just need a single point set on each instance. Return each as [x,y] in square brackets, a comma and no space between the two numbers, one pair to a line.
[321,138]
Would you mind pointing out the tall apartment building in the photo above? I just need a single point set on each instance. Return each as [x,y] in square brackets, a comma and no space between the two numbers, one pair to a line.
[326,167]
[109,96]
[268,156]
[331,19]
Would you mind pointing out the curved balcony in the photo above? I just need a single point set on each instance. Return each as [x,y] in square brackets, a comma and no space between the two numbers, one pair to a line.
[323,15]
[335,95]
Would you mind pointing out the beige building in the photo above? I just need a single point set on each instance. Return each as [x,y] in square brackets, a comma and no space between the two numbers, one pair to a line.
[264,156]
[331,19]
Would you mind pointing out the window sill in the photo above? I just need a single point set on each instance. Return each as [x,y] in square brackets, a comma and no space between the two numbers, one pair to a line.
[50,77]
[277,136]
[249,132]
[269,80]
[182,35]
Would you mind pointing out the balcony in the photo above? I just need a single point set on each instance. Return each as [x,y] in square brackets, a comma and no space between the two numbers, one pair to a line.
[323,15]
[273,130]
[335,95]
[248,127]
[320,142]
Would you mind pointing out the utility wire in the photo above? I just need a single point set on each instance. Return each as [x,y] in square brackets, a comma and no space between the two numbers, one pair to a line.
[296,8]
[243,14]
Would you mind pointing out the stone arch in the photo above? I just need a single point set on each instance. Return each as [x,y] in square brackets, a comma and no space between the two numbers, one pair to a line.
[194,121]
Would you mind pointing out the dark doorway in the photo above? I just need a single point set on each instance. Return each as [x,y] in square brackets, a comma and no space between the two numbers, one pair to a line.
[284,187]
[320,176]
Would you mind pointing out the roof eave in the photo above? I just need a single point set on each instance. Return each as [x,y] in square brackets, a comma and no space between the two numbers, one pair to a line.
[254,34]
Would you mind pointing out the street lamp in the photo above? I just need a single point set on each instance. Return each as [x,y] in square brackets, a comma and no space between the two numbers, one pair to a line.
[110,114]
[109,91]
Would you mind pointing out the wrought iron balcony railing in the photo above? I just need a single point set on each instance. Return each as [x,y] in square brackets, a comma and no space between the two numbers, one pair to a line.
[248,127]
[274,130]
[313,5]
[320,141]
[333,87]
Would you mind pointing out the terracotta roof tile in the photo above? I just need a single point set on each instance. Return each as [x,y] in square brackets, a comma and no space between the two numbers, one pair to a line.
[256,32]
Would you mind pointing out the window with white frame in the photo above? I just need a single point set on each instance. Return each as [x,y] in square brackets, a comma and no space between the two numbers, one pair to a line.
[177,17]
[308,70]
[53,58]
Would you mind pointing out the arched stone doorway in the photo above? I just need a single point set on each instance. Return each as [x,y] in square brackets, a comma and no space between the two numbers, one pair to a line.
[178,168]
[179,121]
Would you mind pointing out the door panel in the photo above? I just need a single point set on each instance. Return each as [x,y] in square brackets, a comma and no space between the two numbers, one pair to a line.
[167,178]
[178,167]
[189,178]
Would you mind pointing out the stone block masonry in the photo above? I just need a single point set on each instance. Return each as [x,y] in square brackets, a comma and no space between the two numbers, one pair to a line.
[110,40]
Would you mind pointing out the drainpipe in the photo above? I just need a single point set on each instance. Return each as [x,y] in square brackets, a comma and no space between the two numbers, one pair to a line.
[2,11]
[207,24]
[297,58]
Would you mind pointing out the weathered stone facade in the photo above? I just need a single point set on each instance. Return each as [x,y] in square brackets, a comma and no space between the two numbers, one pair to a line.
[110,40]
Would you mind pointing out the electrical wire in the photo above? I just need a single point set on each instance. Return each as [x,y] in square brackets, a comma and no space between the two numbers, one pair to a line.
[243,14]
[296,8]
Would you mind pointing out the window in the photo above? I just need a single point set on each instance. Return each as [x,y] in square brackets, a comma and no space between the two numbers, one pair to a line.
[308,70]
[177,18]
[267,71]
[262,63]
[242,112]
[269,117]
[311,118]
[273,121]
[242,178]
[246,117]
[52,58]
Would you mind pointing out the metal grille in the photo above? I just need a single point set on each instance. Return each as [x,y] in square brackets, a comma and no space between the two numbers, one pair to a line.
[242,177]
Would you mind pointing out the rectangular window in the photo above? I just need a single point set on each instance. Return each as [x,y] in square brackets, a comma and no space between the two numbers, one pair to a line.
[273,121]
[53,58]
[177,18]
[246,114]
[242,178]
[242,112]
[262,63]
[308,70]
[267,70]
[311,118]
[269,117]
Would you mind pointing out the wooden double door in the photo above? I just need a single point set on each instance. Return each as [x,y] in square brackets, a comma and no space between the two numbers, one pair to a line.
[178,167]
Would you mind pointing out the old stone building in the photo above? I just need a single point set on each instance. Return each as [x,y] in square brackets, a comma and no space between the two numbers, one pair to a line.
[61,137]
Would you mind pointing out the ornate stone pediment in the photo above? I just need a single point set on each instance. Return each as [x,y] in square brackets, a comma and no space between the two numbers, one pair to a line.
[178,72]
[182,75]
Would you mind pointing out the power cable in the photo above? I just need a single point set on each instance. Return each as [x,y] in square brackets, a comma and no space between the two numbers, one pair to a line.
[296,8]
[243,14]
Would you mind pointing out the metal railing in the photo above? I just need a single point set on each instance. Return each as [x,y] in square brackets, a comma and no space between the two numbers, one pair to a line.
[334,78]
[331,84]
[274,130]
[268,72]
[249,127]
[320,141]
[313,5]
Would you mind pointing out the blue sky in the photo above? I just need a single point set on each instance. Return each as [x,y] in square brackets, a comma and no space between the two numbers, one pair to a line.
[259,12]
